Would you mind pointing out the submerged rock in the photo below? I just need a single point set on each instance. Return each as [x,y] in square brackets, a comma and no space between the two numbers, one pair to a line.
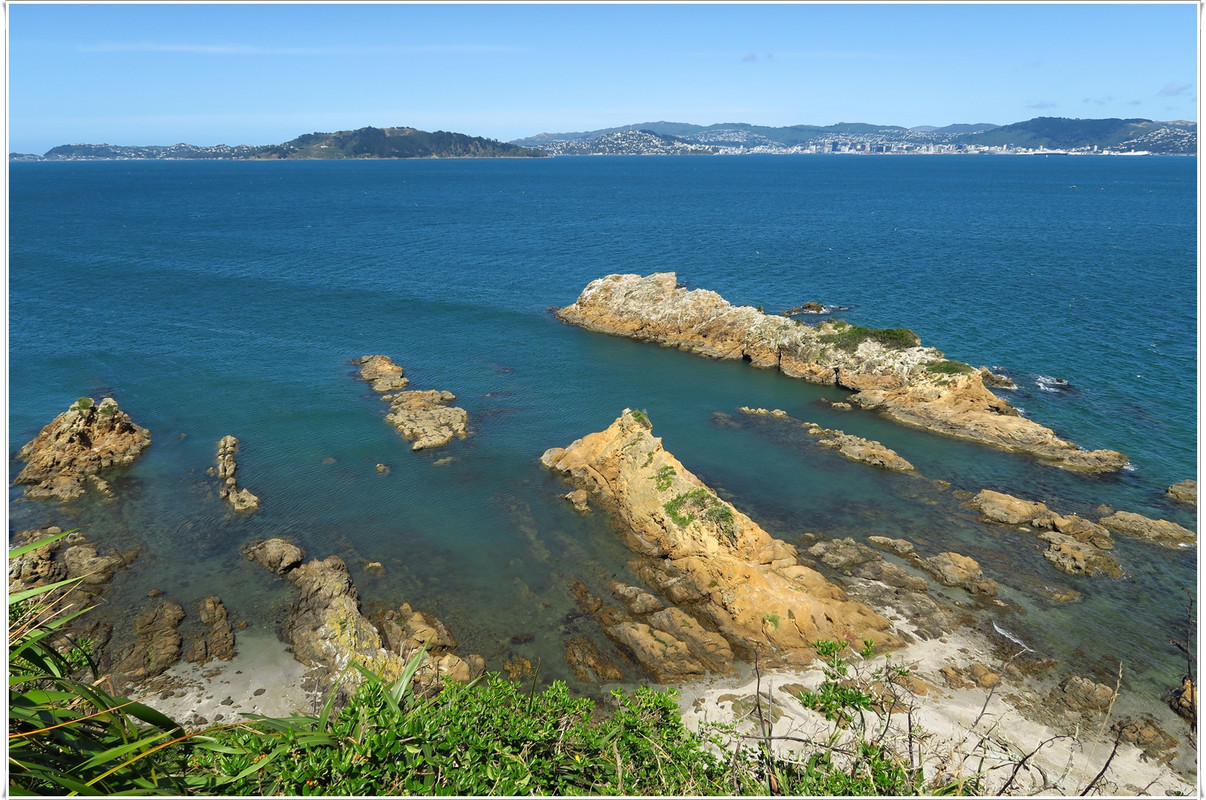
[1075,545]
[1184,492]
[706,556]
[1160,531]
[84,440]
[887,370]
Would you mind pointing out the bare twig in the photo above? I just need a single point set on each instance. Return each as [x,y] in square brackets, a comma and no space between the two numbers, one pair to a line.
[1106,766]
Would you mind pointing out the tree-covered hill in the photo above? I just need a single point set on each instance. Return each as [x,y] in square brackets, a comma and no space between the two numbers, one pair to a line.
[393,143]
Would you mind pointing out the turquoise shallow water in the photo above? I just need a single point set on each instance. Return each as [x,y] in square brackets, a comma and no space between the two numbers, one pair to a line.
[215,298]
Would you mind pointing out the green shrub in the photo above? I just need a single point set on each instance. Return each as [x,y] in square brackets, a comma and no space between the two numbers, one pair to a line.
[664,477]
[682,508]
[643,419]
[946,366]
[848,337]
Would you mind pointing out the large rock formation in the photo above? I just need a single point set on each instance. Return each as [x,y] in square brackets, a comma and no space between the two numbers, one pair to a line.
[852,447]
[218,639]
[422,417]
[1074,544]
[78,444]
[706,556]
[887,370]
[328,630]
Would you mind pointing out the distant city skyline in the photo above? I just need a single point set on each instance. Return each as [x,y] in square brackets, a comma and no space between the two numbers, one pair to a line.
[206,74]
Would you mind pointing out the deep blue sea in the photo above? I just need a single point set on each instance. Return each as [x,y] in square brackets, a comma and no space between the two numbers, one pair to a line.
[214,298]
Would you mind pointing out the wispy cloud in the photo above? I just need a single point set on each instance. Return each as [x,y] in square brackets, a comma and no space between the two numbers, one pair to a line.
[233,49]
[1175,89]
[1099,101]
[1043,104]
[1134,102]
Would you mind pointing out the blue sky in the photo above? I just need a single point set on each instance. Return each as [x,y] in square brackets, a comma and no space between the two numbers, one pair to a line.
[262,74]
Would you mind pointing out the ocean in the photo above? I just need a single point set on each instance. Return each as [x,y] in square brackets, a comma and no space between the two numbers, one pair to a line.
[214,298]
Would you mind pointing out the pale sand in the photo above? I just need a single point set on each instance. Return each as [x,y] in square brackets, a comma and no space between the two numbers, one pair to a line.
[220,691]
[1063,767]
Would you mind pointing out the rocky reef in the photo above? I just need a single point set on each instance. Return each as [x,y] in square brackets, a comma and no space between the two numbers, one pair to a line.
[886,369]
[1074,544]
[852,447]
[1160,531]
[723,572]
[328,630]
[227,471]
[1184,492]
[424,418]
[76,446]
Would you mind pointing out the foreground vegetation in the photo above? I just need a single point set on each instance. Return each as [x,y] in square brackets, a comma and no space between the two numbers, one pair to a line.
[69,735]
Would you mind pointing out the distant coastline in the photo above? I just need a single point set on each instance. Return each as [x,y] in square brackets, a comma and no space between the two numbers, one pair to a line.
[1040,136]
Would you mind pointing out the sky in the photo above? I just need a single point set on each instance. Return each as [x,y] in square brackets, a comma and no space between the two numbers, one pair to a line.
[209,74]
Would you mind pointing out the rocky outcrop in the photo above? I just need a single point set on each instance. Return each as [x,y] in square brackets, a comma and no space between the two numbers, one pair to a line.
[1160,531]
[666,642]
[382,374]
[887,370]
[1184,700]
[83,441]
[227,471]
[422,417]
[328,630]
[1074,544]
[218,640]
[852,447]
[953,569]
[1184,492]
[705,556]
[68,557]
[158,643]
[278,555]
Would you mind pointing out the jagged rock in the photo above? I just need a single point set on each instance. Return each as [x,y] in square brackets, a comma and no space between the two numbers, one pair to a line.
[1078,558]
[1081,695]
[1144,733]
[953,569]
[589,663]
[1075,545]
[851,558]
[278,555]
[327,629]
[1160,531]
[707,554]
[39,566]
[158,644]
[664,656]
[991,378]
[1184,491]
[578,499]
[406,630]
[1184,700]
[900,547]
[857,448]
[219,642]
[241,500]
[899,379]
[382,374]
[635,599]
[854,448]
[422,417]
[82,441]
[1009,510]
[708,646]
[84,562]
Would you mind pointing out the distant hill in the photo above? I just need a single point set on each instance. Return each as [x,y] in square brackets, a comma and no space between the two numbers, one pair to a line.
[1042,133]
[1058,133]
[393,143]
[364,143]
